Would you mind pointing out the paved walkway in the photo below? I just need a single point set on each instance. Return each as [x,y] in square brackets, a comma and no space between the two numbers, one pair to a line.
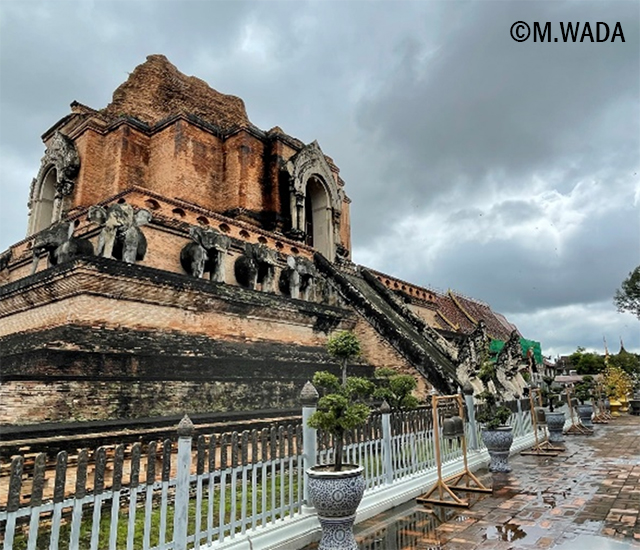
[587,498]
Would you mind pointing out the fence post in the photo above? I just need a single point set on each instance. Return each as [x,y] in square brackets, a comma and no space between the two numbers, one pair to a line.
[387,446]
[467,390]
[183,472]
[520,417]
[309,399]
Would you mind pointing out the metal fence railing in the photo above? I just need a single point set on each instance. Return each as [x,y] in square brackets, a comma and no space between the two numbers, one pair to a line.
[208,489]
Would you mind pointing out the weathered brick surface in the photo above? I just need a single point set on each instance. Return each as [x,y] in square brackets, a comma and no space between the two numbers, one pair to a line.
[166,235]
[156,90]
[96,338]
[84,372]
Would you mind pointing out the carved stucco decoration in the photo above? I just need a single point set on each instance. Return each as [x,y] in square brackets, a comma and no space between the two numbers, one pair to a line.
[510,357]
[297,280]
[205,253]
[256,267]
[61,154]
[5,258]
[471,354]
[509,364]
[121,237]
[307,163]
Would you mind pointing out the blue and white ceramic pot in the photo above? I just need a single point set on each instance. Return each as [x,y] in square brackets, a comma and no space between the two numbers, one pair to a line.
[498,443]
[585,412]
[336,496]
[555,425]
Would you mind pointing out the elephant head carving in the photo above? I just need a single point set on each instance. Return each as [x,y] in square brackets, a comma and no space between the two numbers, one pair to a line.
[205,254]
[256,267]
[5,258]
[297,280]
[121,237]
[59,244]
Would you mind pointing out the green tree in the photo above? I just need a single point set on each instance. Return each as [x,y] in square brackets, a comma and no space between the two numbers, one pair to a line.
[627,297]
[586,362]
[342,405]
[396,389]
[344,346]
[584,389]
[628,362]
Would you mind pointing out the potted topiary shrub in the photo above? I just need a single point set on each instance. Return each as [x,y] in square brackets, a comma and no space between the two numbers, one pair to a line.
[584,393]
[555,419]
[396,389]
[336,489]
[496,434]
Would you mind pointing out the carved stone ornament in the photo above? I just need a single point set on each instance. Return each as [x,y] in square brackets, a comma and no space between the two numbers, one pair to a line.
[121,237]
[256,267]
[185,427]
[63,156]
[342,251]
[5,258]
[307,162]
[205,253]
[297,280]
[309,395]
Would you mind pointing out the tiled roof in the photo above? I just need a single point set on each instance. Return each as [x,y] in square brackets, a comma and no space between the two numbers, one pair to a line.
[452,311]
[478,311]
[454,318]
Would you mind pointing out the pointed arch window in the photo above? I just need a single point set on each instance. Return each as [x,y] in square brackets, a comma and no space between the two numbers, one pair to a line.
[318,224]
[44,211]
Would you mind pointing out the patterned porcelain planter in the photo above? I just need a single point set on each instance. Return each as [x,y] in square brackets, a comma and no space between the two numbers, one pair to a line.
[555,424]
[336,496]
[498,443]
[585,412]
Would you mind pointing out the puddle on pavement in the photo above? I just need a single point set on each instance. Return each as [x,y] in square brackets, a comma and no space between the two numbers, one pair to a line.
[416,530]
[592,542]
[511,532]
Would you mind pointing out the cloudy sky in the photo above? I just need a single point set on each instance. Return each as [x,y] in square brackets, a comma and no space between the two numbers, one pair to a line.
[506,171]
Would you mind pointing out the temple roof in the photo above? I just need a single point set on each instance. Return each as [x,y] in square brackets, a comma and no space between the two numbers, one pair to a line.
[156,90]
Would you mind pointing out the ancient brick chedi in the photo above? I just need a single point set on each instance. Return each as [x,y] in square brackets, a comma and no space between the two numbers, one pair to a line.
[178,258]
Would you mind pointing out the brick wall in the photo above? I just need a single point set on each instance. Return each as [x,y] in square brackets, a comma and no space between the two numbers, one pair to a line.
[149,327]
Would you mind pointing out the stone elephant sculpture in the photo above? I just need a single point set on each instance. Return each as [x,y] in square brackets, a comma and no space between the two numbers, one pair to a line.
[205,254]
[59,244]
[297,280]
[256,267]
[121,237]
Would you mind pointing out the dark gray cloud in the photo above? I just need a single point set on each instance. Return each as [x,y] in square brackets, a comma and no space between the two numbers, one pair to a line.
[479,112]
[506,171]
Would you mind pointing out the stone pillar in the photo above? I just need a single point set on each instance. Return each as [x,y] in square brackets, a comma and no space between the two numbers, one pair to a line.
[467,390]
[181,518]
[387,461]
[309,399]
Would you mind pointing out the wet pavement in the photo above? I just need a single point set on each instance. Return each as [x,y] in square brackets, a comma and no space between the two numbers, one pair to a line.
[586,498]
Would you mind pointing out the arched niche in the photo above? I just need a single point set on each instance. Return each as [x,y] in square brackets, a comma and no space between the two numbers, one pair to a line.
[313,192]
[43,211]
[55,181]
[318,218]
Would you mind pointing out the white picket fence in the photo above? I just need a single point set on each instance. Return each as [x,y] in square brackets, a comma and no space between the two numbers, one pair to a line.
[211,489]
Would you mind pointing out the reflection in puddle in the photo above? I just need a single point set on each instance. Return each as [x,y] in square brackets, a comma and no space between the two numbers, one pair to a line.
[413,531]
[512,531]
[508,532]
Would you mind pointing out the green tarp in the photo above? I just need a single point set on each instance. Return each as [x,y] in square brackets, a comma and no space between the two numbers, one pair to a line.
[496,346]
